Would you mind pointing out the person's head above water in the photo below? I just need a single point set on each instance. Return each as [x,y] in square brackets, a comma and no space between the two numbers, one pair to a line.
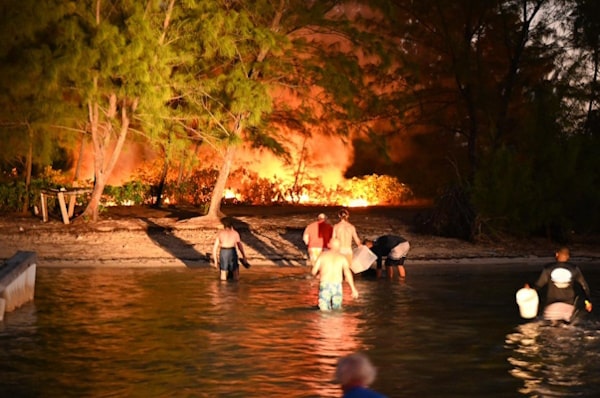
[227,222]
[355,370]
[563,254]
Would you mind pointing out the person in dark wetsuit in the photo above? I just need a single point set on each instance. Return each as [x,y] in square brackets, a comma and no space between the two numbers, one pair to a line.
[564,283]
[226,245]
[394,248]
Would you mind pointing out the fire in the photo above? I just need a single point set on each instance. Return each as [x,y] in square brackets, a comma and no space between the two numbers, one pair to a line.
[230,194]
[358,192]
[357,203]
[313,174]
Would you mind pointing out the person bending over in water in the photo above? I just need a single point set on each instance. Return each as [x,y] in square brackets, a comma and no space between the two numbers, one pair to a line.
[355,373]
[228,239]
[562,278]
[345,233]
[332,267]
[394,248]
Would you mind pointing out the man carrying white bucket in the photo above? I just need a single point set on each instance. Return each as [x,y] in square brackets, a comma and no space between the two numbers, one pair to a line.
[395,249]
[562,278]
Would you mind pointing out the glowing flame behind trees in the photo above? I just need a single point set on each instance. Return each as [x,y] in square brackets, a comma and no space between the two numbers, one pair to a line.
[266,69]
[248,187]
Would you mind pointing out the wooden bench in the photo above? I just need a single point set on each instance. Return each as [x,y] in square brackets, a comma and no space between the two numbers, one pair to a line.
[62,194]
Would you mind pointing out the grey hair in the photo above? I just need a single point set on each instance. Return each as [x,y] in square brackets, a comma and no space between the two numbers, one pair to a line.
[355,369]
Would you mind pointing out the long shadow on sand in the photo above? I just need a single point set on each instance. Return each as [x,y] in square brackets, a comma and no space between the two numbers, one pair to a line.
[274,245]
[282,246]
[179,248]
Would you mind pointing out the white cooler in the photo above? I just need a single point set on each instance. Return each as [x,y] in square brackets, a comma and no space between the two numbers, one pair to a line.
[362,259]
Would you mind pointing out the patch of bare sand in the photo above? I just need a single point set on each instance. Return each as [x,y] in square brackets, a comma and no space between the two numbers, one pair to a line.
[176,237]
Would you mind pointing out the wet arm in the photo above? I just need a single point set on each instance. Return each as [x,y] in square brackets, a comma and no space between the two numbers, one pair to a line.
[305,236]
[379,262]
[240,247]
[542,280]
[586,289]
[315,269]
[216,251]
[356,239]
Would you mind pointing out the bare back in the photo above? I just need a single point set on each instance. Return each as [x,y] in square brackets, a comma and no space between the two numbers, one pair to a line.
[346,233]
[331,266]
[228,238]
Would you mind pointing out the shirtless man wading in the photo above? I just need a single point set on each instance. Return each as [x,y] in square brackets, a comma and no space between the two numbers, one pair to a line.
[228,239]
[333,267]
[346,233]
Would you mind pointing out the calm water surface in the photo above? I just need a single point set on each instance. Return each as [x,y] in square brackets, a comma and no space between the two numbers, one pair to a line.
[450,331]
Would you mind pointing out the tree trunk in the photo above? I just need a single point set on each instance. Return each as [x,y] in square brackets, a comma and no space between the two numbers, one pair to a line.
[214,210]
[28,168]
[161,182]
[79,160]
[101,138]
[92,209]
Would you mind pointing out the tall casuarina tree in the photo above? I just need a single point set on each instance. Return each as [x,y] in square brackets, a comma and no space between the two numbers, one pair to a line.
[113,66]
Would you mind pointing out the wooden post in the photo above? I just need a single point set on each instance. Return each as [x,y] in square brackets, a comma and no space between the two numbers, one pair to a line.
[72,200]
[44,199]
[63,207]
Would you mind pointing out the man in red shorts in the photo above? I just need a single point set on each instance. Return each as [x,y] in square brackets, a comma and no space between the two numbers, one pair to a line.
[316,236]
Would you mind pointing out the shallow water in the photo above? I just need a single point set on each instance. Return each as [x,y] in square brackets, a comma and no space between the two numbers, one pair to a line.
[450,331]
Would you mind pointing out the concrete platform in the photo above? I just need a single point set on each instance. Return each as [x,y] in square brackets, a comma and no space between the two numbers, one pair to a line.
[17,281]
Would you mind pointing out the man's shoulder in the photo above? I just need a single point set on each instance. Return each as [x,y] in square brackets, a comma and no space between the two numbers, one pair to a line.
[312,225]
[560,264]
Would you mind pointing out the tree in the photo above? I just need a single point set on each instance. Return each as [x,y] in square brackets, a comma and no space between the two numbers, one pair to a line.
[113,64]
[28,87]
[472,69]
[586,37]
[267,54]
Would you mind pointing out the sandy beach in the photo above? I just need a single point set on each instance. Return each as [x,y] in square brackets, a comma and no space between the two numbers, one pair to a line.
[173,237]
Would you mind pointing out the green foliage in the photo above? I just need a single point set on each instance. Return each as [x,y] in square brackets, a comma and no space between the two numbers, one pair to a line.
[13,191]
[504,193]
[553,191]
[12,196]
[197,189]
[541,182]
[129,194]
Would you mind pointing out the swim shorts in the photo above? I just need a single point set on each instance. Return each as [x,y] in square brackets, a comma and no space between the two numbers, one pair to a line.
[399,251]
[330,296]
[228,259]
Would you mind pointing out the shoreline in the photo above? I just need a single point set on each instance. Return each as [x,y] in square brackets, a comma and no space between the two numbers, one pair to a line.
[147,237]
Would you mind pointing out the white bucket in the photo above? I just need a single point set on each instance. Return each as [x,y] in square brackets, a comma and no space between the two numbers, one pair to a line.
[362,259]
[528,301]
